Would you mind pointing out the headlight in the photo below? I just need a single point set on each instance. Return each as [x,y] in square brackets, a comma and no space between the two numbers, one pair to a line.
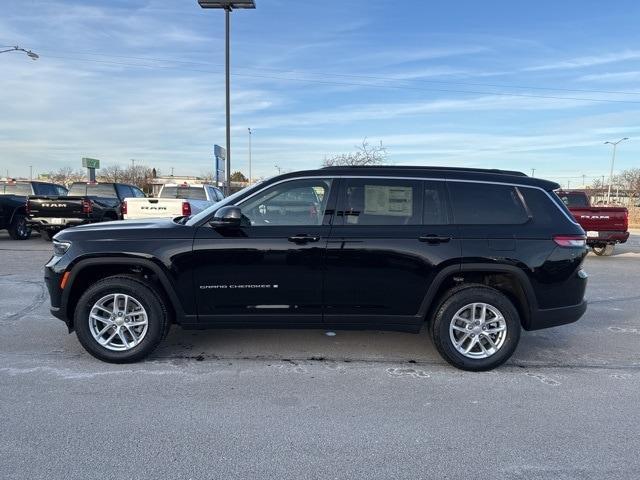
[60,248]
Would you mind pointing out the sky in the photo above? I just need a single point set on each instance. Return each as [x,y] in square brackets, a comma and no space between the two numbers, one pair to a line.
[497,84]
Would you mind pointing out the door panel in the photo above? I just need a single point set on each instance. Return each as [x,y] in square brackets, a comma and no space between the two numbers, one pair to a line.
[270,269]
[379,274]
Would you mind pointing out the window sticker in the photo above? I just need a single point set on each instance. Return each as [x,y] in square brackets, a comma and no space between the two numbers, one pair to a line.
[388,200]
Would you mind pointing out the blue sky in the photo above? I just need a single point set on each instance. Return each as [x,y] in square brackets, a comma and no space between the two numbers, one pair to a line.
[500,84]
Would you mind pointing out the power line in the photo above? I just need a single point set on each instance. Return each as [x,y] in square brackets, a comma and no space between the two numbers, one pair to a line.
[366,85]
[371,77]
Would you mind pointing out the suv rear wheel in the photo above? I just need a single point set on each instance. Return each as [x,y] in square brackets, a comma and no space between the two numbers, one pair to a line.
[121,319]
[476,328]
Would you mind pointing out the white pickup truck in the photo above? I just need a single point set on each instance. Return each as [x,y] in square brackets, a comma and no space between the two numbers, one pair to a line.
[173,200]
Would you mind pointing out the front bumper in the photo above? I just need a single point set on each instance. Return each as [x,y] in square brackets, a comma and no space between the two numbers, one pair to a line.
[52,280]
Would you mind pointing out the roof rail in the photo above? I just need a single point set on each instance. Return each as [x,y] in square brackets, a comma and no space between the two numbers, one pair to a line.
[429,168]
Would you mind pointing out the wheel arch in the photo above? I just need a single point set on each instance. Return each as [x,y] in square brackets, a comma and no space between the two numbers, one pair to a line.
[87,271]
[507,279]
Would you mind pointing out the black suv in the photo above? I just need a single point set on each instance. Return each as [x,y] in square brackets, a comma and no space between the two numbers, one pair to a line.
[476,254]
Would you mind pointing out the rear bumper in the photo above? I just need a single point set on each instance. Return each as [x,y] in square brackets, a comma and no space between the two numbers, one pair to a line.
[553,317]
[47,222]
[606,236]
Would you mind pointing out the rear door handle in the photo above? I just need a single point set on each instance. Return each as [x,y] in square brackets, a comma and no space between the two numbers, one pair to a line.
[434,238]
[303,239]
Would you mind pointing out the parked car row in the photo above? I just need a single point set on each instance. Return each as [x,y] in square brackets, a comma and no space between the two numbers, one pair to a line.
[48,208]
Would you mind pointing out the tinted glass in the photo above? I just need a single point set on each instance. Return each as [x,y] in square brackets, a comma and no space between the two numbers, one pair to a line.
[195,193]
[45,189]
[574,199]
[290,203]
[21,189]
[125,191]
[381,202]
[61,190]
[93,190]
[435,210]
[137,192]
[485,203]
[541,207]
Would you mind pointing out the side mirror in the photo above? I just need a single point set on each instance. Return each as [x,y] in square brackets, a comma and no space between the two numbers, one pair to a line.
[229,216]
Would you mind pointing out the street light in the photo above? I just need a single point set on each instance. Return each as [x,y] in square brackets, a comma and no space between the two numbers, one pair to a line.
[228,6]
[250,132]
[613,159]
[30,54]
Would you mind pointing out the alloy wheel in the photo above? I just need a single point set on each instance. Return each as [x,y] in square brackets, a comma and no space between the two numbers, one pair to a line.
[478,330]
[118,322]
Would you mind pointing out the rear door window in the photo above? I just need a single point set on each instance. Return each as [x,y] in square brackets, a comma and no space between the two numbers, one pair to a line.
[486,204]
[381,201]
[435,209]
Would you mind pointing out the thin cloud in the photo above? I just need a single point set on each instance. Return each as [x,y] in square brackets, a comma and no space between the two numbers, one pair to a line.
[589,61]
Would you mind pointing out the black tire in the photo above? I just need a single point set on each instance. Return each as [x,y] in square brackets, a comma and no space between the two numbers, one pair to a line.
[19,230]
[456,299]
[605,250]
[47,235]
[152,301]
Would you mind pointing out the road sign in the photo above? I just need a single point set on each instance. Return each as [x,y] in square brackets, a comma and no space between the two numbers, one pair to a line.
[220,155]
[90,162]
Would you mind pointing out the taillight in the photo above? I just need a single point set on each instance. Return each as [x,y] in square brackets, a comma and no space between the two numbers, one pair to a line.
[124,207]
[570,240]
[87,206]
[186,209]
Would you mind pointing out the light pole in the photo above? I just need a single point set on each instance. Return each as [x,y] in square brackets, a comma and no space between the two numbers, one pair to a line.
[16,48]
[228,6]
[613,159]
[533,172]
[250,132]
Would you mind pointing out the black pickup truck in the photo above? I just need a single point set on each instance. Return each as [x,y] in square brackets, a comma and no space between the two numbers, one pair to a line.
[13,197]
[85,203]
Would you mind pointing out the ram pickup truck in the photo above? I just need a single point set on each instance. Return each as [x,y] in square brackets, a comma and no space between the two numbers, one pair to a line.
[172,201]
[13,198]
[605,226]
[85,203]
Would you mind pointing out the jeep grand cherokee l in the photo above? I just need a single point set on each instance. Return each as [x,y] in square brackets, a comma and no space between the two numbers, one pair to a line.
[476,254]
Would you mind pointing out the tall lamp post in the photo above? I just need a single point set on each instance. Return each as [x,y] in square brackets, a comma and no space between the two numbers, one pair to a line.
[227,6]
[250,133]
[30,54]
[613,159]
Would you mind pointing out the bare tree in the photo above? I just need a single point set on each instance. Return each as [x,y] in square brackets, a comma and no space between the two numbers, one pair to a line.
[66,176]
[364,154]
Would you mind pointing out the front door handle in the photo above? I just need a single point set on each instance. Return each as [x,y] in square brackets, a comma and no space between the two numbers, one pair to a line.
[303,239]
[434,238]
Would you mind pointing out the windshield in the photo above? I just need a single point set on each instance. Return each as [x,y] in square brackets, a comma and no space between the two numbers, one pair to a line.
[15,189]
[227,201]
[194,193]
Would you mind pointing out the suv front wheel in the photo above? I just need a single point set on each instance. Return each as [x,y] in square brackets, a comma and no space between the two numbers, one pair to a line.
[121,319]
[476,328]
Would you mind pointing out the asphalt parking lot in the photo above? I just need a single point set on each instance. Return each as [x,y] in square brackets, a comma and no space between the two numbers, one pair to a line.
[301,404]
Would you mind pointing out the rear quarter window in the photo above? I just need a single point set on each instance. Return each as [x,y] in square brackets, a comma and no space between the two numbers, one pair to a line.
[486,204]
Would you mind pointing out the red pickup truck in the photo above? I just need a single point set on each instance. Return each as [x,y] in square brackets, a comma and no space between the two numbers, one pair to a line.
[605,226]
